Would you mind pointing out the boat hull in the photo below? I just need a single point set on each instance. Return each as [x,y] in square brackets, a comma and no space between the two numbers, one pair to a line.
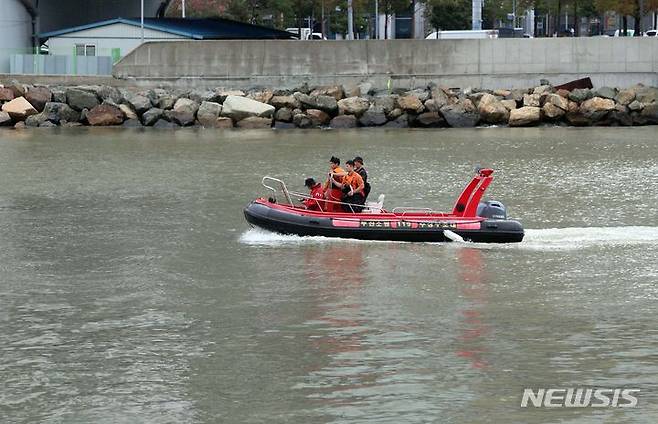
[392,228]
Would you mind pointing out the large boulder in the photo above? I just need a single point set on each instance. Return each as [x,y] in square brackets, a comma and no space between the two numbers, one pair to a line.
[200,95]
[289,102]
[38,97]
[579,95]
[5,119]
[164,124]
[546,88]
[81,99]
[525,116]
[552,112]
[302,121]
[59,95]
[373,117]
[353,106]
[622,115]
[557,100]
[36,120]
[254,122]
[184,112]
[625,97]
[492,111]
[18,89]
[318,117]
[343,121]
[596,108]
[386,102]
[325,103]
[131,123]
[410,103]
[19,109]
[239,108]
[429,119]
[532,100]
[263,96]
[401,121]
[208,113]
[151,116]
[165,102]
[105,115]
[646,94]
[650,113]
[420,93]
[283,115]
[57,112]
[140,103]
[509,104]
[606,93]
[222,94]
[110,94]
[224,122]
[462,114]
[128,111]
[335,91]
[439,96]
[636,106]
[6,94]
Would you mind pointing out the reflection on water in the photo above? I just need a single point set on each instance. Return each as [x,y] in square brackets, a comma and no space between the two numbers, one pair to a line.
[132,290]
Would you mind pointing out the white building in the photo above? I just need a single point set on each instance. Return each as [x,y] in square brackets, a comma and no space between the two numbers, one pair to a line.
[115,37]
[15,31]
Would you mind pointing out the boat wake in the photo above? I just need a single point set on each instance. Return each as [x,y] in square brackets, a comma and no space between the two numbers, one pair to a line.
[572,238]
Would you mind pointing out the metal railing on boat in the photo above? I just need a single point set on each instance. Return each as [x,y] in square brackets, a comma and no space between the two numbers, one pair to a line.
[287,193]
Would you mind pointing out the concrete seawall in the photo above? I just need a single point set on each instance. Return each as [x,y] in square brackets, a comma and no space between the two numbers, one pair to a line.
[501,63]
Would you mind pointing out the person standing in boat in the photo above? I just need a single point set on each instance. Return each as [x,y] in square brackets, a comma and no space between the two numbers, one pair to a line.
[352,187]
[315,202]
[333,185]
[358,167]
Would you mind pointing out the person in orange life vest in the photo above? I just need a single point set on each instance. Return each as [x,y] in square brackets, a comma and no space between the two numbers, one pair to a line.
[352,187]
[358,167]
[316,201]
[332,189]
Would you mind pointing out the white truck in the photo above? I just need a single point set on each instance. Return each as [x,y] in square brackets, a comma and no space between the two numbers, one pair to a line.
[306,34]
[462,35]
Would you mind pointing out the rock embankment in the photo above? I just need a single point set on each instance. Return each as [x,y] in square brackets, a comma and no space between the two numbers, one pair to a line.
[332,106]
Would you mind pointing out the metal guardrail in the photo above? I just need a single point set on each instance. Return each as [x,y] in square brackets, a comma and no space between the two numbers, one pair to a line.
[288,194]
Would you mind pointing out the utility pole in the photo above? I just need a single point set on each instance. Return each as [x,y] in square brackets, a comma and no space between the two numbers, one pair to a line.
[376,19]
[322,28]
[514,14]
[142,20]
[350,18]
[183,7]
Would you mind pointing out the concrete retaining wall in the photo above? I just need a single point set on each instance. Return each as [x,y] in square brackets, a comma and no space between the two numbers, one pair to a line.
[501,63]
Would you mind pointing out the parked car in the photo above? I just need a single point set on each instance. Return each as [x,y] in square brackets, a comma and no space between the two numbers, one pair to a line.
[620,33]
[651,33]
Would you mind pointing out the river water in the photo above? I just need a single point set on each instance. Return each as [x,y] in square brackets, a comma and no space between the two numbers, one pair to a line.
[132,290]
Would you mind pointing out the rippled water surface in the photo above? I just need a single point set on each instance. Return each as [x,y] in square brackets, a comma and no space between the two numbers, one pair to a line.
[132,290]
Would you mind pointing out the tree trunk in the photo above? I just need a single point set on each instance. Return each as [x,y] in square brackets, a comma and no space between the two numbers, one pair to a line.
[386,26]
[638,22]
[576,25]
[557,17]
[624,23]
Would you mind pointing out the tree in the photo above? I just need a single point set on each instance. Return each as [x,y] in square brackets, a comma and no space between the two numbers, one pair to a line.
[390,8]
[449,14]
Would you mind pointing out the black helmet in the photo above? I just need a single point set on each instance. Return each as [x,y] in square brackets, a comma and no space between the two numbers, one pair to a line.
[309,182]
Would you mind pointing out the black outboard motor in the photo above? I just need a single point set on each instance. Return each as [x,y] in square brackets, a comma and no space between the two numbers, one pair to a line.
[492,209]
